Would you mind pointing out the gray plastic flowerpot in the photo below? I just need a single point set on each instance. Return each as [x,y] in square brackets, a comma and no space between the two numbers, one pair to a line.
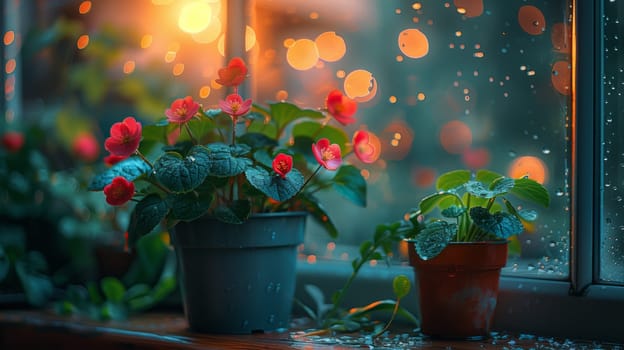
[239,279]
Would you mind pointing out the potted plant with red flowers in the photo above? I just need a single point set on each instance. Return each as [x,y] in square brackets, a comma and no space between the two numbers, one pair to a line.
[235,184]
[458,255]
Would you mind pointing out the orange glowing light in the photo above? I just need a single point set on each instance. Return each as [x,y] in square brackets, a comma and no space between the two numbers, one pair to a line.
[204,91]
[421,96]
[303,54]
[128,67]
[396,140]
[392,99]
[561,37]
[82,42]
[210,33]
[532,167]
[170,56]
[341,74]
[331,47]
[469,8]
[455,137]
[195,17]
[250,41]
[178,69]
[413,43]
[281,95]
[476,158]
[416,6]
[9,37]
[10,65]
[84,7]
[424,177]
[561,77]
[314,15]
[311,259]
[531,20]
[162,2]
[146,41]
[359,83]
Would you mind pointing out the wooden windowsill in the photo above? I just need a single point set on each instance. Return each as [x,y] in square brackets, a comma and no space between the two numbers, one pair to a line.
[31,329]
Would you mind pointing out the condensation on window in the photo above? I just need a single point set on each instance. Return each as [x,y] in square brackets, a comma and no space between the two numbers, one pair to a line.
[612,237]
[444,85]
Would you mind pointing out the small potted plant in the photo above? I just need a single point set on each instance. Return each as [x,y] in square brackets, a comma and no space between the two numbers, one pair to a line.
[235,184]
[458,255]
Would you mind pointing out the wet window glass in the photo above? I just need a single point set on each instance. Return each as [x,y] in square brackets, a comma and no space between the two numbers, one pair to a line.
[441,85]
[612,239]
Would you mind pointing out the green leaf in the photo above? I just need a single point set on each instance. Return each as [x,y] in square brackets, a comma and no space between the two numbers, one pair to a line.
[257,140]
[130,168]
[453,211]
[113,311]
[37,285]
[227,160]
[452,179]
[182,174]
[486,176]
[273,185]
[138,290]
[531,190]
[430,202]
[382,305]
[113,289]
[189,206]
[284,113]
[147,214]
[350,183]
[501,224]
[432,240]
[333,134]
[236,212]
[401,286]
[364,248]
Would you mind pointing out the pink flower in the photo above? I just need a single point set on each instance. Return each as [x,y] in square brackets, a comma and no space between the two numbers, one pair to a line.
[13,141]
[341,107]
[112,159]
[86,147]
[125,137]
[234,105]
[282,164]
[327,155]
[366,146]
[182,110]
[234,74]
[119,191]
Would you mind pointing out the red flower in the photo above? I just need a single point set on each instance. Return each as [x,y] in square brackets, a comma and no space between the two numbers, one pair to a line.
[234,105]
[234,74]
[327,155]
[86,147]
[341,107]
[119,191]
[182,110]
[112,159]
[125,137]
[366,146]
[13,141]
[282,164]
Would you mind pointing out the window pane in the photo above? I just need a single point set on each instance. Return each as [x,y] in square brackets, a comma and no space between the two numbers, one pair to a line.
[446,85]
[612,239]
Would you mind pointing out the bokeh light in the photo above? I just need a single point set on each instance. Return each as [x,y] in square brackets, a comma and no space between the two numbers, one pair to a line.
[84,7]
[424,177]
[476,158]
[413,43]
[9,37]
[469,8]
[561,37]
[195,17]
[129,66]
[360,85]
[303,54]
[561,77]
[82,42]
[331,47]
[250,41]
[531,20]
[532,167]
[455,137]
[210,33]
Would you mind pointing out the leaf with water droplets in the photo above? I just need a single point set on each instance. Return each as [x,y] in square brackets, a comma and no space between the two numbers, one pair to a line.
[182,174]
[434,238]
[501,224]
[453,211]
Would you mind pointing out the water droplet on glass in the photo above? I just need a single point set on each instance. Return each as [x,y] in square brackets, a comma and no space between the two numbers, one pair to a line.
[273,235]
[531,267]
[559,192]
[271,319]
[546,150]
[270,287]
[552,244]
[244,324]
[512,153]
[278,286]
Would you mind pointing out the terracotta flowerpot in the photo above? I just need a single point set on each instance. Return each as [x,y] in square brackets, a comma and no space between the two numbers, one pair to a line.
[459,288]
[239,279]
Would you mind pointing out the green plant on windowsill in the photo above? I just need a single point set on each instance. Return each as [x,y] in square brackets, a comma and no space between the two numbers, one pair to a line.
[473,207]
[334,318]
